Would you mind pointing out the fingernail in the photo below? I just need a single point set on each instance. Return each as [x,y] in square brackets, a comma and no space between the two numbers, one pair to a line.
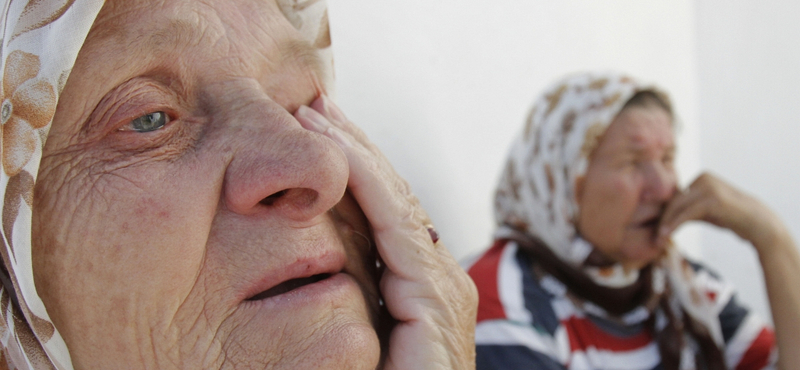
[338,137]
[313,119]
[432,232]
[332,109]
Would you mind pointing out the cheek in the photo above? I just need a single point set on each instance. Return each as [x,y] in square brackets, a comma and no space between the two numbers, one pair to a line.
[116,244]
[136,207]
[606,208]
[626,194]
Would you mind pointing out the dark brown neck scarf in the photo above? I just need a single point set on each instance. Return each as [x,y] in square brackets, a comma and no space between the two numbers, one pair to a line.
[618,301]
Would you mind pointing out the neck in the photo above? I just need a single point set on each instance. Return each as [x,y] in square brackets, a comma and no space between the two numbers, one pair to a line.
[616,300]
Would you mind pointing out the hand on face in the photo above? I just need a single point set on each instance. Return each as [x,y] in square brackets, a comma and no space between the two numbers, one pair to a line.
[713,200]
[425,290]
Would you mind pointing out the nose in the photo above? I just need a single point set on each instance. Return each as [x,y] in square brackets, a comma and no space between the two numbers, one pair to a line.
[277,166]
[660,183]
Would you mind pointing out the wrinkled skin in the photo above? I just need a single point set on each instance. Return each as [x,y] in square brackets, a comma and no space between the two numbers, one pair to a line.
[152,242]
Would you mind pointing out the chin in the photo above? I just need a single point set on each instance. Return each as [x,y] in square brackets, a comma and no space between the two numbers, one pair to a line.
[342,345]
[323,325]
[641,257]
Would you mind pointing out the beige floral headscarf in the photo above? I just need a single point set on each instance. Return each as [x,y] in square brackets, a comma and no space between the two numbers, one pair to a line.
[536,196]
[40,42]
[536,190]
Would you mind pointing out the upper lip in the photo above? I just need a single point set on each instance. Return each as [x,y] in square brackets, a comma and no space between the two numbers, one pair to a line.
[303,270]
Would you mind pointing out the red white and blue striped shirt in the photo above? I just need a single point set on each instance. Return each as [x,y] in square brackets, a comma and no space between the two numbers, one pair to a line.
[528,324]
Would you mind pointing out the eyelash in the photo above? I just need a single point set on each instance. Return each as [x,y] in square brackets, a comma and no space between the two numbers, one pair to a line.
[667,159]
[148,119]
[164,131]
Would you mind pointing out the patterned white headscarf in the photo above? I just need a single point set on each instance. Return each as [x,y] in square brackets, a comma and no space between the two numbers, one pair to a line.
[536,193]
[40,42]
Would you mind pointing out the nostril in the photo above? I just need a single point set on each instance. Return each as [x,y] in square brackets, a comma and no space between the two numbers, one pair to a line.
[270,200]
[295,203]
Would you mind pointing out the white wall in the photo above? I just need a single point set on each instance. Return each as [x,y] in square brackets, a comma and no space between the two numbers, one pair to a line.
[443,86]
[749,86]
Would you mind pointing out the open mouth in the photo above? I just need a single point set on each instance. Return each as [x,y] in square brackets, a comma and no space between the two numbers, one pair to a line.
[289,285]
[652,222]
[650,225]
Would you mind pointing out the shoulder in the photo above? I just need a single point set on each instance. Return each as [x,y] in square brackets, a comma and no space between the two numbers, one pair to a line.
[516,321]
[500,278]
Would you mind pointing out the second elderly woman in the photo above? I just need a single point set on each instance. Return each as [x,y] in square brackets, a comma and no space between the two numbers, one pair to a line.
[583,274]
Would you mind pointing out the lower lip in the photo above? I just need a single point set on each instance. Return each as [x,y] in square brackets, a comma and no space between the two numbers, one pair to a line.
[337,286]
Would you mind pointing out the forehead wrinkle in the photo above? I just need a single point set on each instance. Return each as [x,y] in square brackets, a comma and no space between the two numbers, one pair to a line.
[275,45]
[294,49]
[110,38]
[177,33]
[640,143]
[181,33]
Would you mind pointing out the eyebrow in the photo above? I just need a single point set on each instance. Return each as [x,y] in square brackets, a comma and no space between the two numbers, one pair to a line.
[638,147]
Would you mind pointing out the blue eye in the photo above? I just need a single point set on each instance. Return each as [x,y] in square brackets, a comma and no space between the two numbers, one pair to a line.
[149,122]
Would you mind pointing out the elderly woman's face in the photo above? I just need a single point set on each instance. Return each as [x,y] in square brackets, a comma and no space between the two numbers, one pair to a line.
[182,217]
[629,181]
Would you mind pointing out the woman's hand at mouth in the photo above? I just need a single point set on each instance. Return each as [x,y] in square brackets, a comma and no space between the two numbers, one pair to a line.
[712,200]
[425,290]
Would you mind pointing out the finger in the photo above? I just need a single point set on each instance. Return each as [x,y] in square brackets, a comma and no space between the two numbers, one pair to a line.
[333,114]
[372,171]
[672,217]
[325,106]
[700,188]
[696,211]
[393,211]
[397,220]
[414,265]
[423,287]
[313,121]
